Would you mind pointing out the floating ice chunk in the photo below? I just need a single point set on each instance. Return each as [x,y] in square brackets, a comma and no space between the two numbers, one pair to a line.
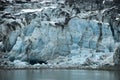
[20,64]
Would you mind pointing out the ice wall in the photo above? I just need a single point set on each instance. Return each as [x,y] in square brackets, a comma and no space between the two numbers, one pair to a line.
[37,31]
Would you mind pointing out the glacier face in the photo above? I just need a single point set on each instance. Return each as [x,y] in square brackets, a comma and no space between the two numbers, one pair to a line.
[56,34]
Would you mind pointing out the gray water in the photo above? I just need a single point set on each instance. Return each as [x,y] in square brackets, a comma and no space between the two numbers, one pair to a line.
[58,75]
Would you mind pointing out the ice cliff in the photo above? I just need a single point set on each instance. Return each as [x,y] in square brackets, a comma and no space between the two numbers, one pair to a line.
[59,35]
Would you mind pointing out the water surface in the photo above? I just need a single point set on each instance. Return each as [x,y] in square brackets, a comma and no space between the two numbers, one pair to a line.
[58,75]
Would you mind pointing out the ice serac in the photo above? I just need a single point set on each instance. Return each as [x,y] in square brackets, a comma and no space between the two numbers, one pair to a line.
[41,33]
[117,55]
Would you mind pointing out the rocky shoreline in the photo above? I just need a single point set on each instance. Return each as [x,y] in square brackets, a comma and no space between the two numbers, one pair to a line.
[108,68]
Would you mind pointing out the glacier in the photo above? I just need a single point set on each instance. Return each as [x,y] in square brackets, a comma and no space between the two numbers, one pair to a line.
[54,35]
